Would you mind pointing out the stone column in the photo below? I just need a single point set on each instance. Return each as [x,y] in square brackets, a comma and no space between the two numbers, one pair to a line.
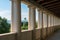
[46,19]
[47,34]
[40,22]
[42,36]
[32,18]
[16,18]
[32,21]
[51,23]
[39,18]
[29,19]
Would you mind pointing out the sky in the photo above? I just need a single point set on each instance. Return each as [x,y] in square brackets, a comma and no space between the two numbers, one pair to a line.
[5,10]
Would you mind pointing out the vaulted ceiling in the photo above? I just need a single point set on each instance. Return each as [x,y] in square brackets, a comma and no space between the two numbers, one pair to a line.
[52,5]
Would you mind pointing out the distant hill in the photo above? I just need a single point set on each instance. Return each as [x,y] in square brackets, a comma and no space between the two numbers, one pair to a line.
[9,21]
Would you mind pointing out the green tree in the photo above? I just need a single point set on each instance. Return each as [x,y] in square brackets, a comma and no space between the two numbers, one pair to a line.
[25,24]
[4,26]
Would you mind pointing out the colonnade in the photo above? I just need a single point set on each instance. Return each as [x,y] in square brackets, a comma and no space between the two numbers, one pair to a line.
[50,20]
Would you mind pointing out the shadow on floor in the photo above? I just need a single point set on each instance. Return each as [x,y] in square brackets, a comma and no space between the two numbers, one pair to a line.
[55,36]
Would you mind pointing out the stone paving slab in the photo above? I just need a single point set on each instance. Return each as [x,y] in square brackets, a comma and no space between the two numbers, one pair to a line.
[55,36]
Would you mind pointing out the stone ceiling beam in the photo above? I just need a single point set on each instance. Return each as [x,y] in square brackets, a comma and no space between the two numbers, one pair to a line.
[48,2]
[52,4]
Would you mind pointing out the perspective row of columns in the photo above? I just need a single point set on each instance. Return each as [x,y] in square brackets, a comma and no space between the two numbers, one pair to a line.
[16,18]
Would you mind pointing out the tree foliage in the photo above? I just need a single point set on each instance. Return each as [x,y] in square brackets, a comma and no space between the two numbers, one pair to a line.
[4,26]
[25,24]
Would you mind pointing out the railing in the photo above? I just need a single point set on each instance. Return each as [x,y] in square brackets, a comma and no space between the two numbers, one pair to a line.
[27,34]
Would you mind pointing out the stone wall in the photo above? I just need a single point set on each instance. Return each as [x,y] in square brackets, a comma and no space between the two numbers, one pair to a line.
[8,36]
[27,35]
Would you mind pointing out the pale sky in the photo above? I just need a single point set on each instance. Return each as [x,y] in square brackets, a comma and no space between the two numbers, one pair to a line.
[5,9]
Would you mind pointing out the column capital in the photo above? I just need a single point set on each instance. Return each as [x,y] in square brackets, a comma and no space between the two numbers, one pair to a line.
[31,6]
[40,9]
[46,12]
[15,0]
